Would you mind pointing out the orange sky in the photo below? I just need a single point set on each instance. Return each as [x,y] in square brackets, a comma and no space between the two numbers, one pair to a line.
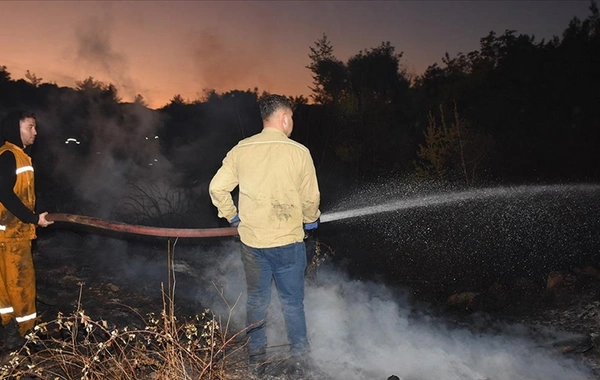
[162,48]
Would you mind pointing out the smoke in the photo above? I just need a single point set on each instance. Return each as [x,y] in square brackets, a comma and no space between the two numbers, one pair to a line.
[226,66]
[364,330]
[110,156]
[94,49]
[360,331]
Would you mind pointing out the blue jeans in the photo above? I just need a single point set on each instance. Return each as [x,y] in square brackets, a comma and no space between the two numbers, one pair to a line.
[286,266]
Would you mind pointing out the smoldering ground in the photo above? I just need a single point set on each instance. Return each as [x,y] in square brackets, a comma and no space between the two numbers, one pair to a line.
[358,329]
[364,330]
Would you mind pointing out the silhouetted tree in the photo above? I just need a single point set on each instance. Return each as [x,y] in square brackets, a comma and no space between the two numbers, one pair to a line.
[330,76]
[177,100]
[298,100]
[139,99]
[375,74]
[209,95]
[4,74]
[98,91]
[33,79]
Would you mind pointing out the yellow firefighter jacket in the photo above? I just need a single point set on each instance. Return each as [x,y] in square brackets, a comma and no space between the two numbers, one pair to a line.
[278,189]
[11,228]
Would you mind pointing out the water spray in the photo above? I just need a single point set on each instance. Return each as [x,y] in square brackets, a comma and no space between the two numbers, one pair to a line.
[451,198]
[396,205]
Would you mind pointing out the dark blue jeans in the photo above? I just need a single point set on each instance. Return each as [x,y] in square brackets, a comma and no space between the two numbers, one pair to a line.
[285,265]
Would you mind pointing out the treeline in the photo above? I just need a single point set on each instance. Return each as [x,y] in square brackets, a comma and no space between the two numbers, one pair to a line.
[514,110]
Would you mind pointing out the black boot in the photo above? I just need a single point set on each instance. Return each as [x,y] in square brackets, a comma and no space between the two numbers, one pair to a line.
[258,362]
[2,337]
[12,339]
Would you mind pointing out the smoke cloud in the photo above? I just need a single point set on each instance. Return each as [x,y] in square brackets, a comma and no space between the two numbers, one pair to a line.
[94,48]
[225,66]
[364,330]
[109,153]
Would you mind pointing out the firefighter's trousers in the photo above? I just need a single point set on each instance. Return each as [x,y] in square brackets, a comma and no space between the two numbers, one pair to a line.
[17,284]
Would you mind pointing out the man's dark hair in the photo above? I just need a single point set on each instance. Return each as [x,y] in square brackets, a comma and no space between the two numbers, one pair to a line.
[272,103]
[26,114]
[9,126]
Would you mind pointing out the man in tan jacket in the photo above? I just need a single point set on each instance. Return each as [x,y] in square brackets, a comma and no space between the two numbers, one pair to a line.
[278,200]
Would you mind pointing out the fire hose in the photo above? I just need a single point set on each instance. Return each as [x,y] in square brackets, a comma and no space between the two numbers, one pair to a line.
[142,230]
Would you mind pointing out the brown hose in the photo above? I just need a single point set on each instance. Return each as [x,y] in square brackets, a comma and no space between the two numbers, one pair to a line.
[142,230]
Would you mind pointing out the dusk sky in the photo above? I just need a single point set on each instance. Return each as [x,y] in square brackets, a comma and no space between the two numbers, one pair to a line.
[162,48]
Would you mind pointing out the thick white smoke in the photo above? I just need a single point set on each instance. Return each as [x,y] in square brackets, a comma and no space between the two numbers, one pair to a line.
[361,330]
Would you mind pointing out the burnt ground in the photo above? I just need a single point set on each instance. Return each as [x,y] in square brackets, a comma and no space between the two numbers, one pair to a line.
[71,274]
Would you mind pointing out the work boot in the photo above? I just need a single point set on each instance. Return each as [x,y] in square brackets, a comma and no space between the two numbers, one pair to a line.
[2,337]
[11,337]
[298,366]
[257,362]
[295,367]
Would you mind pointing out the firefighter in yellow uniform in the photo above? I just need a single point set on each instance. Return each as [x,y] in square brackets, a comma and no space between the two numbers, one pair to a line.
[17,227]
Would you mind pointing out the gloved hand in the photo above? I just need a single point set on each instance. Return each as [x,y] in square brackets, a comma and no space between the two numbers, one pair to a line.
[235,221]
[309,229]
[311,226]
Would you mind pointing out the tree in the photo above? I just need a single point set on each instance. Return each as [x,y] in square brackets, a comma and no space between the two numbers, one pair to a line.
[452,152]
[97,90]
[33,79]
[329,74]
[375,74]
[209,95]
[4,74]
[298,100]
[372,110]
[139,99]
[177,100]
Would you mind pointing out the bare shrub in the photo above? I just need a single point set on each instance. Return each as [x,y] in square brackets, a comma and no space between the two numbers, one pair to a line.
[76,346]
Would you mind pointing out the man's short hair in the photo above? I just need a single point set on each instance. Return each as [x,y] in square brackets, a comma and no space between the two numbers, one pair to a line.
[271,103]
[25,114]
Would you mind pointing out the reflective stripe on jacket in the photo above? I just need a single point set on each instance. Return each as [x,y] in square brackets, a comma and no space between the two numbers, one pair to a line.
[278,189]
[11,228]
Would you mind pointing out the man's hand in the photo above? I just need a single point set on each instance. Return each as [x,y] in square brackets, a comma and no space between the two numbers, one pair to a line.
[235,221]
[309,229]
[311,226]
[42,222]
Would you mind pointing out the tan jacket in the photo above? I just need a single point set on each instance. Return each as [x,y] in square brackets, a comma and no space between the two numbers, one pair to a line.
[11,228]
[278,189]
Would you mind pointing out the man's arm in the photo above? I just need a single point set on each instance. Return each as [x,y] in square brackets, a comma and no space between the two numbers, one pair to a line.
[10,200]
[220,188]
[309,192]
